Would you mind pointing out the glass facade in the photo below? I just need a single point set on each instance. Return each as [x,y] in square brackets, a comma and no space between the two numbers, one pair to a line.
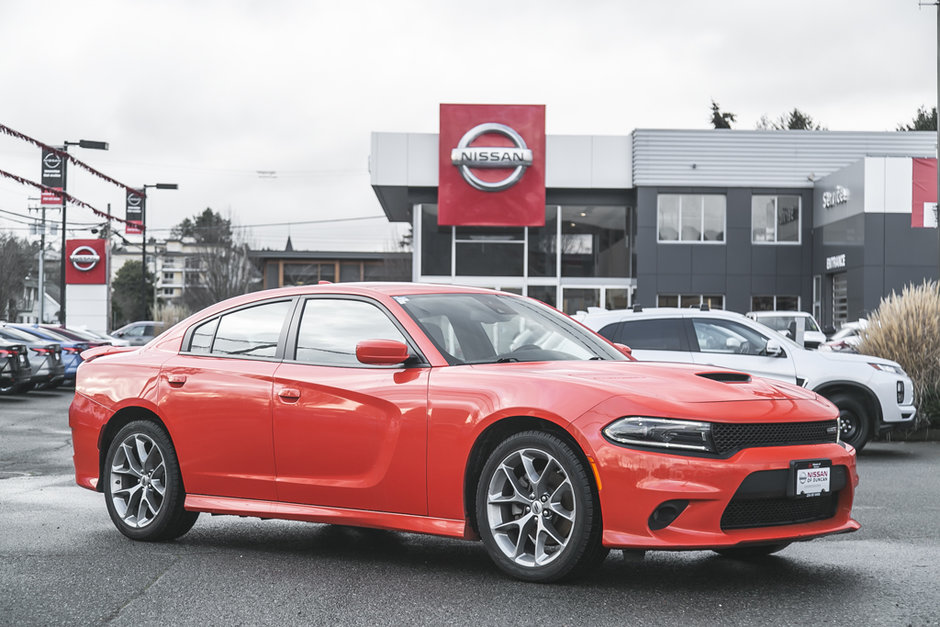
[583,256]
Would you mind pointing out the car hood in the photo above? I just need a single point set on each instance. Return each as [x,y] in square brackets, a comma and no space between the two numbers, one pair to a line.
[855,359]
[664,382]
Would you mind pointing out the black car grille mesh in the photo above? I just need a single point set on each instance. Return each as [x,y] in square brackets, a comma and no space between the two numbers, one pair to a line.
[742,514]
[734,437]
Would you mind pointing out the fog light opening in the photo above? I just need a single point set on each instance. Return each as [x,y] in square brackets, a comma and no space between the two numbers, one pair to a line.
[666,514]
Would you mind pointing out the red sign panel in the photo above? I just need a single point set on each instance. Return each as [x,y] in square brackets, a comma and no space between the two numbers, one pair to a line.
[492,165]
[924,194]
[86,261]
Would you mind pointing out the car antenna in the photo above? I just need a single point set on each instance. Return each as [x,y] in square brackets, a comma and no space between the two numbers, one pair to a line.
[637,308]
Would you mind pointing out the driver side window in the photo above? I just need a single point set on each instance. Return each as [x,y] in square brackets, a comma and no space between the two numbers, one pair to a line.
[726,336]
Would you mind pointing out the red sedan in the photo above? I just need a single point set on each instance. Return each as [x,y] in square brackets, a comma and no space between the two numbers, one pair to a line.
[454,411]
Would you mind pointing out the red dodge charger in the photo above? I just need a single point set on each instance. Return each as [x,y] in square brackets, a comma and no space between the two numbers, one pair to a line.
[454,411]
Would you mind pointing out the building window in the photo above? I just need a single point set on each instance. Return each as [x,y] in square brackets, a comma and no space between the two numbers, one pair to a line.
[594,242]
[714,301]
[167,291]
[775,219]
[691,218]
[435,244]
[489,251]
[309,273]
[168,276]
[817,297]
[775,303]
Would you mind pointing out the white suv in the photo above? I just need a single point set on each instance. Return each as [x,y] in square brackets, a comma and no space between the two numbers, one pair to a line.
[873,395]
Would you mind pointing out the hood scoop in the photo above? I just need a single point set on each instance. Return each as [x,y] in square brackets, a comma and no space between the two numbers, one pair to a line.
[726,377]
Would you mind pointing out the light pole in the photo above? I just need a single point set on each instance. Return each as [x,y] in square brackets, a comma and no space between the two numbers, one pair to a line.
[143,244]
[82,143]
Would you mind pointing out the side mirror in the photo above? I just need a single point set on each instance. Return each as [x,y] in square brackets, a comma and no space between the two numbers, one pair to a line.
[118,333]
[381,352]
[626,350]
[773,348]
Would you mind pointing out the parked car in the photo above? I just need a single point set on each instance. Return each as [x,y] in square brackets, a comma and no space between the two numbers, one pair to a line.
[71,351]
[14,367]
[847,338]
[458,412]
[139,333]
[110,339]
[76,335]
[46,369]
[873,394]
[785,323]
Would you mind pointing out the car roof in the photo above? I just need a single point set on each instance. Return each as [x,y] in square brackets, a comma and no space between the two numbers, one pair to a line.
[617,315]
[779,312]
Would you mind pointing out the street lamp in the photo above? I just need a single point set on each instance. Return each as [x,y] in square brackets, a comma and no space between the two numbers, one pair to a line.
[143,245]
[82,143]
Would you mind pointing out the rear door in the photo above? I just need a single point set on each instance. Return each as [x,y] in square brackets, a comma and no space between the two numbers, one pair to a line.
[216,396]
[653,339]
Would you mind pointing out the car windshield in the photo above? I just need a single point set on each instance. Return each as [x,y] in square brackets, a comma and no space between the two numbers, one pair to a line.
[17,335]
[492,328]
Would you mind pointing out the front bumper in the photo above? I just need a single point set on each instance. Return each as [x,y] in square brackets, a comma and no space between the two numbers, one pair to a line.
[634,484]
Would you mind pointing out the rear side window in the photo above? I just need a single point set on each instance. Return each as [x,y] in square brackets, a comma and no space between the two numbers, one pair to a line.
[665,334]
[249,332]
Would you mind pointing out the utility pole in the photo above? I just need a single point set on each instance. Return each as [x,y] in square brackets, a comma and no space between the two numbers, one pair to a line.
[42,259]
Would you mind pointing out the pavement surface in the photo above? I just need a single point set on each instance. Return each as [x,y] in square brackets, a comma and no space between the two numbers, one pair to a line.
[63,563]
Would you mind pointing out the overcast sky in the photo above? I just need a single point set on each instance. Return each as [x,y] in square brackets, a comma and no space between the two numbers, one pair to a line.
[207,93]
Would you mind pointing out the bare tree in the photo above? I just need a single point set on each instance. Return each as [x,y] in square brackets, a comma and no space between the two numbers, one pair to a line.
[16,261]
[218,272]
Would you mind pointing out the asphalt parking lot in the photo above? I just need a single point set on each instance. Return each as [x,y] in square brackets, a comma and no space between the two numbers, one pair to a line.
[62,562]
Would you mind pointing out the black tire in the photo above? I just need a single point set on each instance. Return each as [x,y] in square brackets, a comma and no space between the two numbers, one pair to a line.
[565,517]
[752,552]
[143,488]
[854,422]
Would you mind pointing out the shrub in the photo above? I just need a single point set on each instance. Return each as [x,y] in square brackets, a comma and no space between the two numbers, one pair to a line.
[170,314]
[906,328]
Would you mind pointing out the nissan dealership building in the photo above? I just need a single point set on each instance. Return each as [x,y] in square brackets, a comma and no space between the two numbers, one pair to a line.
[827,222]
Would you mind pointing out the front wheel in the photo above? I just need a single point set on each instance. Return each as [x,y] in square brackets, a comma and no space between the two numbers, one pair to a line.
[536,510]
[143,488]
[854,424]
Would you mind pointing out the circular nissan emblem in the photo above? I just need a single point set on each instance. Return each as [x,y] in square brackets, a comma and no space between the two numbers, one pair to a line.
[52,161]
[518,157]
[84,258]
[133,200]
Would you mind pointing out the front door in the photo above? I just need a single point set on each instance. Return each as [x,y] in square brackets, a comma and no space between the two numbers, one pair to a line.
[348,434]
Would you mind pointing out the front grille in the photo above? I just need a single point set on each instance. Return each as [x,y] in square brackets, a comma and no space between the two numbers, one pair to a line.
[729,438]
[743,514]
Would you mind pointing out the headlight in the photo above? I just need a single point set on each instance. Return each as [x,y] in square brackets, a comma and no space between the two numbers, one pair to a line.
[887,368]
[687,435]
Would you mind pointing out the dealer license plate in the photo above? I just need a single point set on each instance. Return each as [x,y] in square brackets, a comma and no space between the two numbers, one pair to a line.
[811,478]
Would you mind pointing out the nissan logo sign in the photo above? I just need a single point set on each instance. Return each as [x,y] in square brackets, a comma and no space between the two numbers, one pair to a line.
[518,157]
[52,161]
[133,200]
[84,258]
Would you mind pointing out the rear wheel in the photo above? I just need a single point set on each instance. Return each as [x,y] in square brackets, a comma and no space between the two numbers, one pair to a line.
[752,552]
[536,510]
[854,423]
[143,487]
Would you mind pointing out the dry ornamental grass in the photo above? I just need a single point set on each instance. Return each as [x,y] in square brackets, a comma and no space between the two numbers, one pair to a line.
[906,328]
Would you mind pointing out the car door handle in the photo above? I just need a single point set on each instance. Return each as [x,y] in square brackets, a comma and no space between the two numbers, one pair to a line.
[289,394]
[176,380]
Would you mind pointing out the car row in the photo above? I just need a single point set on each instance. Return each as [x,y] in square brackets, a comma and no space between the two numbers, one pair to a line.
[42,356]
[453,411]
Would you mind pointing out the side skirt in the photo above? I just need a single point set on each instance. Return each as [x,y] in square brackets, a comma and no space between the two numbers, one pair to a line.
[331,515]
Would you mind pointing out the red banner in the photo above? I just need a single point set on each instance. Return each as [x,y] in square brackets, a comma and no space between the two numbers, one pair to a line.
[492,165]
[86,261]
[924,194]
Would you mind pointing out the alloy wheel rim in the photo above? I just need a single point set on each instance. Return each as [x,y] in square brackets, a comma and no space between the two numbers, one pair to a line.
[138,480]
[531,507]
